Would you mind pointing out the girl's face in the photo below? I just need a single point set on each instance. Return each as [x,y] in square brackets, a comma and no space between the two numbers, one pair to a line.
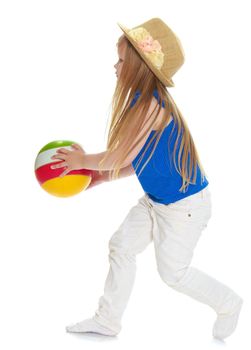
[121,54]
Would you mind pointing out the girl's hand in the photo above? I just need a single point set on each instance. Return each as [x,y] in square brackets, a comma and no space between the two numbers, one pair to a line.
[73,160]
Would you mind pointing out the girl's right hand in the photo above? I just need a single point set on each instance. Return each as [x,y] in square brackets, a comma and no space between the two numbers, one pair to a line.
[97,179]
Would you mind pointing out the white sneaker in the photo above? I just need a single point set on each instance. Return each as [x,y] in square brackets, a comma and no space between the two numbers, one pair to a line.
[90,325]
[225,324]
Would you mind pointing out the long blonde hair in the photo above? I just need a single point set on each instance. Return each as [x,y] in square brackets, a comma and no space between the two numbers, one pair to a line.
[126,122]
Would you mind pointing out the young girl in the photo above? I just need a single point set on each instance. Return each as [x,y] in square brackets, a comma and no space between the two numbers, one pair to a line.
[148,136]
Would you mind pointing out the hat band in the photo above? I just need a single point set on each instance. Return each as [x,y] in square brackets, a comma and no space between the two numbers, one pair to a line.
[150,47]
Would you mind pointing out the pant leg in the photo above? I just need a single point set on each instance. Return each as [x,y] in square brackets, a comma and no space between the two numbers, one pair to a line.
[180,225]
[130,239]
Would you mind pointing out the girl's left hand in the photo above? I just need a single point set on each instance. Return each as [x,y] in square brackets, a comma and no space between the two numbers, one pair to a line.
[73,160]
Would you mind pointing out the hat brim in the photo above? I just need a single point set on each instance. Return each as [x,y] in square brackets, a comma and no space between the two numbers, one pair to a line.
[166,81]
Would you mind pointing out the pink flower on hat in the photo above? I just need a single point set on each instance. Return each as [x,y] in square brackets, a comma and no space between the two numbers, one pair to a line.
[151,48]
[149,45]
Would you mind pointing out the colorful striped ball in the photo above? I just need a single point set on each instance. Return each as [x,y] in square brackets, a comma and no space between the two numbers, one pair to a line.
[72,183]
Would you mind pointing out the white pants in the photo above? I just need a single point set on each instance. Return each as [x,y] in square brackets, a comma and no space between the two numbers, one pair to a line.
[175,229]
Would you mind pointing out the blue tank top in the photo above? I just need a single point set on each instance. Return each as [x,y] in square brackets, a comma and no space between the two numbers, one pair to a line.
[159,179]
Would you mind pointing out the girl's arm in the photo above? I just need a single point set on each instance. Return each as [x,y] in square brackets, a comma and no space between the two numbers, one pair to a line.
[91,161]
[98,179]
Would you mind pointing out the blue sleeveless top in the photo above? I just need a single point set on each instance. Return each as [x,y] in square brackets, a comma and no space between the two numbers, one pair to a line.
[159,179]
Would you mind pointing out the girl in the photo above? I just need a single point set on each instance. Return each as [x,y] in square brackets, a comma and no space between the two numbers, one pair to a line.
[149,136]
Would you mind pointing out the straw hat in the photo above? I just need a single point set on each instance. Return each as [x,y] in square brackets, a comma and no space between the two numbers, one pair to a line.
[158,46]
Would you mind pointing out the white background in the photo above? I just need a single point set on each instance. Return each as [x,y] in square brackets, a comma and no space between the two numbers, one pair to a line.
[57,79]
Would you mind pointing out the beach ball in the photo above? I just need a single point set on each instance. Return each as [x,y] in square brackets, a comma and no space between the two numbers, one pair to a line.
[71,184]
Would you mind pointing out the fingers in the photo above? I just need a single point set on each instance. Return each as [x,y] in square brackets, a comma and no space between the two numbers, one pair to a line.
[64,173]
[76,146]
[63,150]
[59,165]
